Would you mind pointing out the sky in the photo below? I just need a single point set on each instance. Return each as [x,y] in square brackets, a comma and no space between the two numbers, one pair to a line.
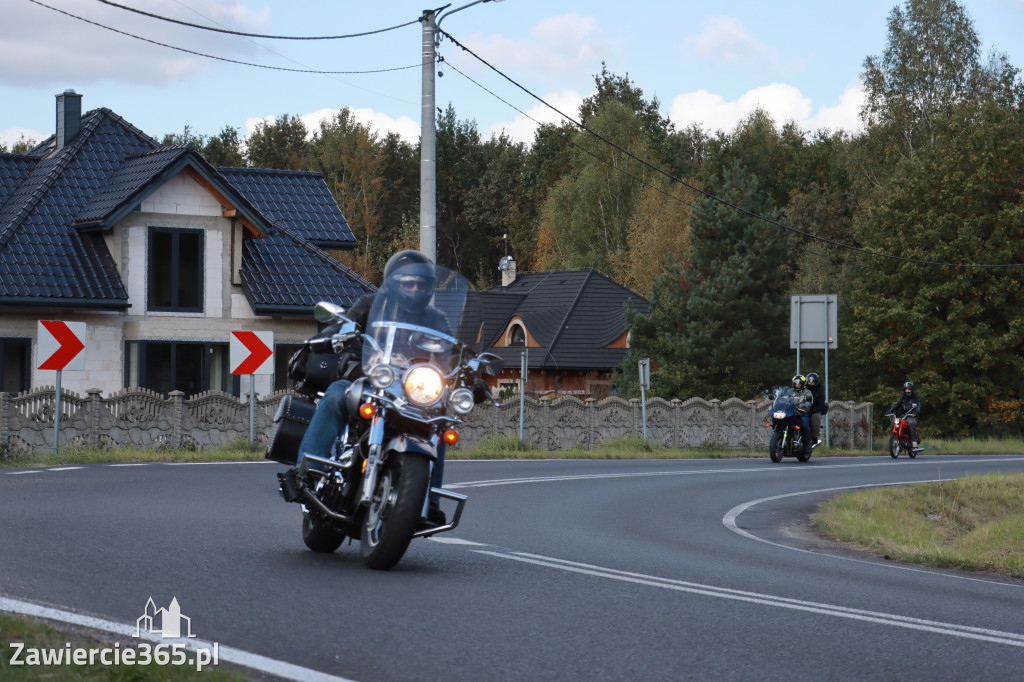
[709,64]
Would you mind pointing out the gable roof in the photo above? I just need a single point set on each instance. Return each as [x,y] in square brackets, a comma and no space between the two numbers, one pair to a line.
[54,202]
[43,259]
[297,200]
[571,314]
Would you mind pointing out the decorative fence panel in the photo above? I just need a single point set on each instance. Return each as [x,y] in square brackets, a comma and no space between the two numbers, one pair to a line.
[140,418]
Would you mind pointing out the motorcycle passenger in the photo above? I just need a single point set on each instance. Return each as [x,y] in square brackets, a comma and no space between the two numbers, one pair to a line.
[818,407]
[409,279]
[909,404]
[802,400]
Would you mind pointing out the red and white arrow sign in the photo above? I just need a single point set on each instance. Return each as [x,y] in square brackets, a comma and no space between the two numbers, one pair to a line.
[252,352]
[60,345]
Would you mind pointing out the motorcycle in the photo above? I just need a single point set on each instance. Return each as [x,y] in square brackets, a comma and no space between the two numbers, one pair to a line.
[786,423]
[416,384]
[900,438]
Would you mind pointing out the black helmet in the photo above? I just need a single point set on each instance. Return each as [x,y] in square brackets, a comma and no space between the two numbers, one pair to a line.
[409,276]
[799,379]
[813,379]
[908,387]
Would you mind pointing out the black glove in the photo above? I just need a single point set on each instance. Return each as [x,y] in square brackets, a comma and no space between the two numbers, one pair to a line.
[480,391]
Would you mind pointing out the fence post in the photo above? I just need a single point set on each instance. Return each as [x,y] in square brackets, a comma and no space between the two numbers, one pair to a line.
[94,417]
[4,421]
[716,408]
[590,402]
[752,435]
[545,429]
[177,398]
[676,412]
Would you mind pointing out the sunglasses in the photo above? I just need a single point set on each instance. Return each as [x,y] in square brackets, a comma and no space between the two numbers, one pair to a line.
[414,284]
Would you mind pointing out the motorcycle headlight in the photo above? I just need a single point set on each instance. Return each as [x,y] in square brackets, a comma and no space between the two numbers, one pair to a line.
[381,376]
[778,415]
[462,400]
[423,385]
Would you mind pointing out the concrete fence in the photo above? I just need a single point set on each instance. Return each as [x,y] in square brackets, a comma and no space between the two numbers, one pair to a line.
[140,418]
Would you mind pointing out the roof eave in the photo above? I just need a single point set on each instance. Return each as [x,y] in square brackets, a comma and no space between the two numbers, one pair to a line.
[62,303]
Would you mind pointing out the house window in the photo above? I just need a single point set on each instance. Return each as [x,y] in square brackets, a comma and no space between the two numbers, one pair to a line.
[15,365]
[175,270]
[516,335]
[282,354]
[189,367]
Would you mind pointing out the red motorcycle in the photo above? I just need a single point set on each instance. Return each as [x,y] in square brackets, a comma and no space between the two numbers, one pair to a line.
[901,439]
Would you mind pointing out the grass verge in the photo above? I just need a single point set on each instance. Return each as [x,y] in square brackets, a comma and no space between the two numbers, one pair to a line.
[974,523]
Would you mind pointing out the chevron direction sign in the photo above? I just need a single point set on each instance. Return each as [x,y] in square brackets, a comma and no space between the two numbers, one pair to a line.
[251,352]
[60,345]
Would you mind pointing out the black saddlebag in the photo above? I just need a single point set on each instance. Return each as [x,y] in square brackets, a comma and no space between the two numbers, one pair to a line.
[290,424]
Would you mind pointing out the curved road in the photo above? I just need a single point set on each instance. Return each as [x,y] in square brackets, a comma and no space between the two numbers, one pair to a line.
[597,570]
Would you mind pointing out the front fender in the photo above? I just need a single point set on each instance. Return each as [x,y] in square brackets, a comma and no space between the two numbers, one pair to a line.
[412,444]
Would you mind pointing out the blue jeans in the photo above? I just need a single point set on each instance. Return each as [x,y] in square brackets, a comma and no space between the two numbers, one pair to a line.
[327,422]
[805,429]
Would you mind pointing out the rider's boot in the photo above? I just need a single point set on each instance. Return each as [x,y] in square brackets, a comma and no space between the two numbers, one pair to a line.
[435,514]
[290,484]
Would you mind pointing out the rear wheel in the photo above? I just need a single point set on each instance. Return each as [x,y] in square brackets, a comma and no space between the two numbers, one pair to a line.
[319,535]
[894,447]
[394,514]
[775,447]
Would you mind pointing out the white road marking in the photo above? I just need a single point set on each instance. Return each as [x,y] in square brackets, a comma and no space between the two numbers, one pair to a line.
[696,472]
[456,541]
[729,521]
[894,620]
[228,654]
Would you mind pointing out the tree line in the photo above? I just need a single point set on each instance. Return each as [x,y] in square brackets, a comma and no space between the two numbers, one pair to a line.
[719,229]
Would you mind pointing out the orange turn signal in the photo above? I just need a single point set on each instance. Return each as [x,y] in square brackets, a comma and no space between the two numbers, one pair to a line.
[451,436]
[367,410]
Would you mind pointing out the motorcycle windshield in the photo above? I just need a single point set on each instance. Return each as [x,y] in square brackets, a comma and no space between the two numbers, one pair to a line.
[409,326]
[784,401]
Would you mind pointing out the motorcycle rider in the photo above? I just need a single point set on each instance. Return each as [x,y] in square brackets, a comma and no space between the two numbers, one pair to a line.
[802,400]
[909,404]
[409,279]
[818,407]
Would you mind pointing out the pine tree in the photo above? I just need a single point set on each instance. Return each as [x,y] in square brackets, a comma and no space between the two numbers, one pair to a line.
[720,327]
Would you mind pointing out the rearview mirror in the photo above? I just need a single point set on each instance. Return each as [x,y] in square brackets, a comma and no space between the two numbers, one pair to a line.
[325,311]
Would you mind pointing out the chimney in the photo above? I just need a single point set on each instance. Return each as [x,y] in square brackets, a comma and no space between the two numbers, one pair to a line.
[69,117]
[507,265]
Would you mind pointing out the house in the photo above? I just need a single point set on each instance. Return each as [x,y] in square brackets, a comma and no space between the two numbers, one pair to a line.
[161,255]
[570,325]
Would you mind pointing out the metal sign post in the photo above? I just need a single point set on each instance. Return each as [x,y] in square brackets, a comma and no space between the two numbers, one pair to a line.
[645,383]
[60,346]
[813,324]
[251,353]
[524,363]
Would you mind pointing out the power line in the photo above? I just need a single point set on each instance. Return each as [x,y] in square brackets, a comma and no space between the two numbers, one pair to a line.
[254,35]
[222,59]
[286,57]
[573,144]
[713,197]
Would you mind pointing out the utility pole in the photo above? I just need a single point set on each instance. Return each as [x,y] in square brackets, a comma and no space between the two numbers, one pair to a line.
[428,143]
[428,129]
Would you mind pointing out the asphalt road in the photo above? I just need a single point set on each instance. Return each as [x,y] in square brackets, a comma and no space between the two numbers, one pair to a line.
[595,570]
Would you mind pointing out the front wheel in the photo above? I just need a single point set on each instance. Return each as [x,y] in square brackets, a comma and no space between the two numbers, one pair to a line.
[395,510]
[319,535]
[894,446]
[775,447]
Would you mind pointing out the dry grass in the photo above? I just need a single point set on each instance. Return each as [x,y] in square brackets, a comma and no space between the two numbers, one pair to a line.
[974,523]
